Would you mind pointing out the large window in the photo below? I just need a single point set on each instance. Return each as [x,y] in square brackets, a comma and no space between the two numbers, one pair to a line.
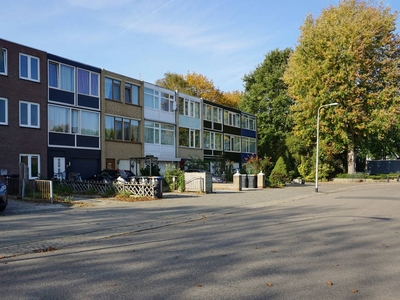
[156,133]
[167,102]
[212,140]
[29,67]
[151,98]
[122,129]
[189,108]
[3,61]
[231,143]
[32,161]
[88,83]
[131,94]
[212,113]
[248,122]
[67,120]
[231,118]
[189,137]
[29,114]
[113,89]
[61,76]
[248,145]
[3,111]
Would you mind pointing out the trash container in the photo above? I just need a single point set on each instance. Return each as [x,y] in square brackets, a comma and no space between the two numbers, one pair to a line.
[158,186]
[12,183]
[245,181]
[252,181]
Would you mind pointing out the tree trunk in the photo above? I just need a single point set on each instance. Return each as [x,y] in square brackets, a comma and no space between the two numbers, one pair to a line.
[351,161]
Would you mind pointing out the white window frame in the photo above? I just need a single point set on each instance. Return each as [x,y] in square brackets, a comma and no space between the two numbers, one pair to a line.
[232,142]
[155,101]
[231,118]
[212,118]
[91,92]
[191,138]
[30,156]
[29,67]
[246,144]
[246,122]
[5,111]
[5,55]
[59,74]
[78,124]
[29,114]
[193,108]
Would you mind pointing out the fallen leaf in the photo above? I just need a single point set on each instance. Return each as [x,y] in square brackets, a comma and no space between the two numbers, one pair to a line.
[273,251]
[223,255]
[256,247]
[269,284]
[329,283]
[336,265]
[114,284]
[199,285]
[354,291]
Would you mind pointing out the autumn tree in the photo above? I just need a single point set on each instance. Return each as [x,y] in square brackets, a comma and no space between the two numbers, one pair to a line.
[350,54]
[266,97]
[198,85]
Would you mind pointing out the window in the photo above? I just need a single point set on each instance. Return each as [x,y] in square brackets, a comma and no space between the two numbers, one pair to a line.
[61,77]
[122,129]
[3,61]
[88,83]
[131,94]
[189,108]
[167,102]
[3,111]
[29,114]
[212,140]
[113,89]
[248,145]
[248,122]
[212,113]
[28,67]
[155,133]
[189,137]
[231,118]
[66,120]
[32,161]
[231,143]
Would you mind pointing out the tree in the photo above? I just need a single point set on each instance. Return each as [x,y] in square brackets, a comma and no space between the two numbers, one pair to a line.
[174,81]
[350,54]
[279,174]
[198,85]
[266,97]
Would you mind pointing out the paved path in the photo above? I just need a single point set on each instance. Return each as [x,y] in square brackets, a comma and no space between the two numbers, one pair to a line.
[291,243]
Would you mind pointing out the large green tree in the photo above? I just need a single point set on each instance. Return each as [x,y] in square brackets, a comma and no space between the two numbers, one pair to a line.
[266,96]
[350,54]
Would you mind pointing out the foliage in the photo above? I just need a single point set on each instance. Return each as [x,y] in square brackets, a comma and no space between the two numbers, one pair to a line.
[155,170]
[255,164]
[279,175]
[179,175]
[110,192]
[350,55]
[198,85]
[197,163]
[266,97]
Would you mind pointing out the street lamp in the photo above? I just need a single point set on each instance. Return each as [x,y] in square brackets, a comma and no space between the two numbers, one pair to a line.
[316,155]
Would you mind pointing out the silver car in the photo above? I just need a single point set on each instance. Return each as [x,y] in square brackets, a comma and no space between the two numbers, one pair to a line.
[3,196]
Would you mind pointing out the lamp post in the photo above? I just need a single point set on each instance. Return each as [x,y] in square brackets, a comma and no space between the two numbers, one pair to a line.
[317,153]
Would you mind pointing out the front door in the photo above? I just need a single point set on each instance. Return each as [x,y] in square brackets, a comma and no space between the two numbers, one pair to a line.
[59,167]
[110,163]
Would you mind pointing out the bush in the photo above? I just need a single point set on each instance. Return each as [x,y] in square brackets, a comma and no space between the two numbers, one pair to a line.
[279,175]
[169,174]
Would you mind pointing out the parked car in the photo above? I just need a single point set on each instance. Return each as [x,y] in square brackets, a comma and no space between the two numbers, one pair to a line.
[215,179]
[3,196]
[110,175]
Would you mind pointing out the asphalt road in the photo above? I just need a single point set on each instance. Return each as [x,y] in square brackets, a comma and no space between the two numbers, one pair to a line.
[290,243]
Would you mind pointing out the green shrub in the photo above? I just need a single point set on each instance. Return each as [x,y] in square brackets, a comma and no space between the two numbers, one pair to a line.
[179,175]
[279,175]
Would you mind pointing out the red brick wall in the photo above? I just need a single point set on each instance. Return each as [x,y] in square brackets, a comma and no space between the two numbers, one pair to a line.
[16,140]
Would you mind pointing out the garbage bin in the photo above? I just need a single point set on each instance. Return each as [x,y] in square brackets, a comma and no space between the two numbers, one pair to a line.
[158,186]
[245,181]
[12,183]
[252,181]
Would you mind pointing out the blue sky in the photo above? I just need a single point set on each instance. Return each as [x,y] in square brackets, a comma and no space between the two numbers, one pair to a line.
[143,39]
